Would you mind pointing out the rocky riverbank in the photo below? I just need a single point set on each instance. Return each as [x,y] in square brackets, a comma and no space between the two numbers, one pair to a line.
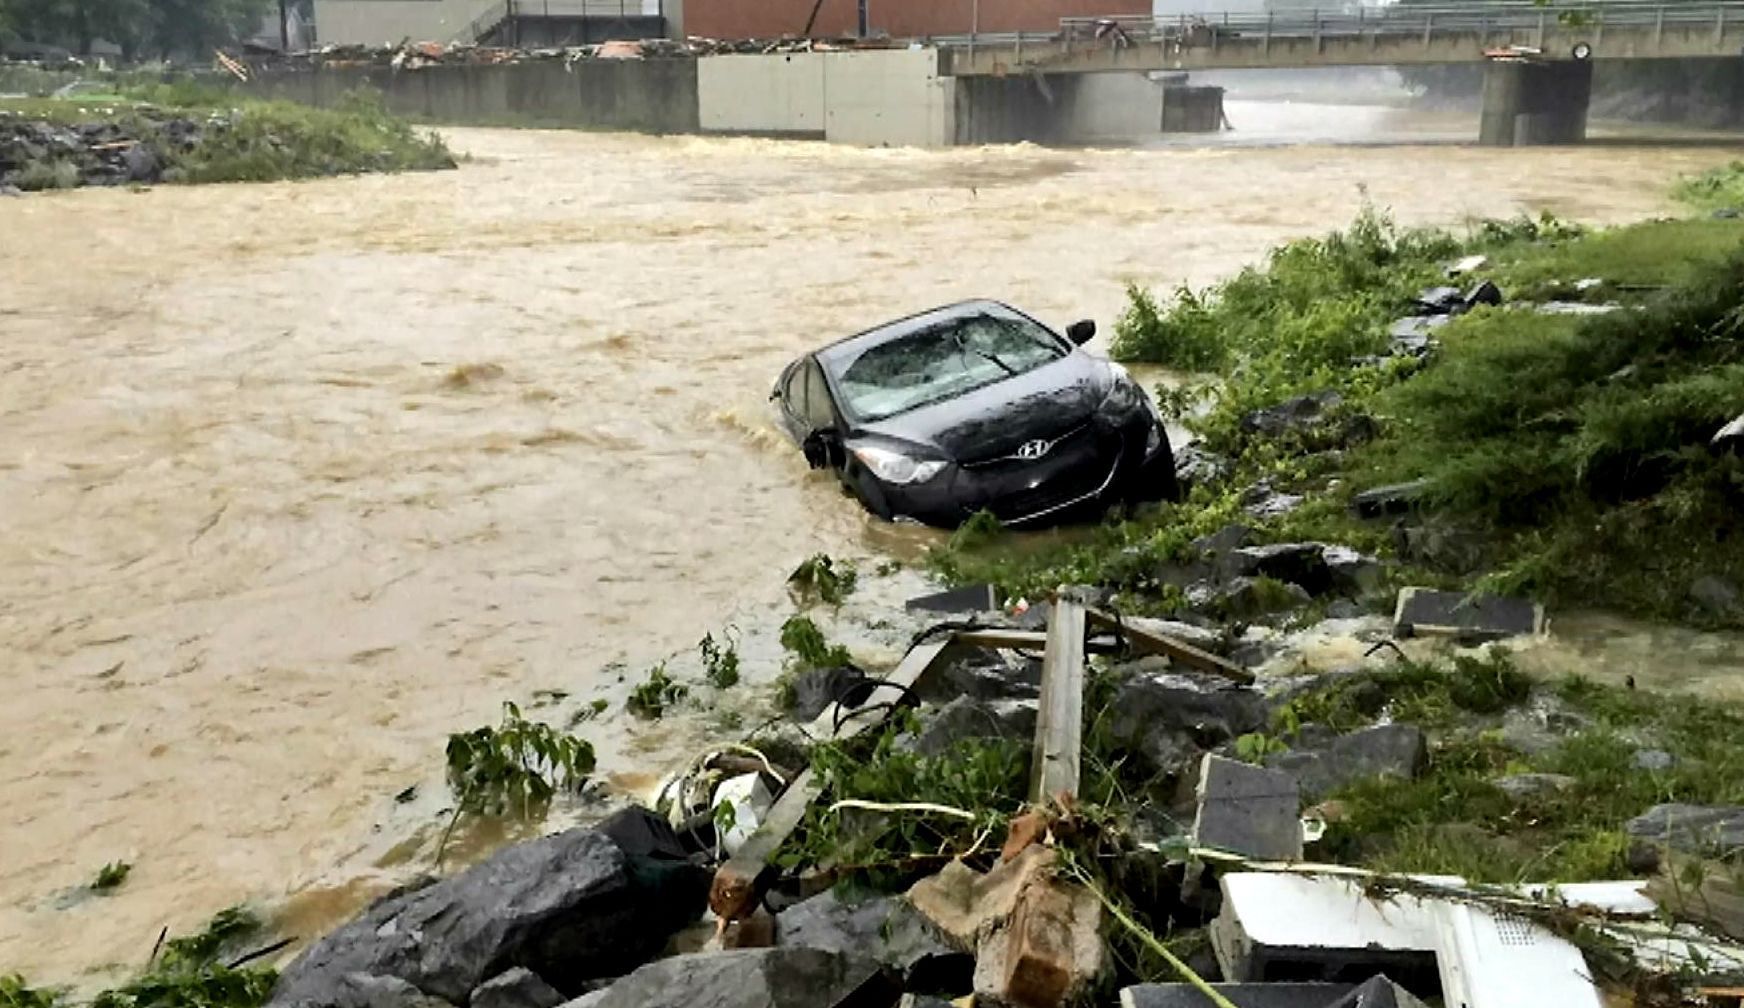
[60,144]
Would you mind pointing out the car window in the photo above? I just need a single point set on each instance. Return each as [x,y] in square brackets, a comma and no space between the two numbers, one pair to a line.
[942,361]
[818,411]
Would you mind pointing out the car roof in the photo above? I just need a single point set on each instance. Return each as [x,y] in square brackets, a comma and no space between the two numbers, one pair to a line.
[858,343]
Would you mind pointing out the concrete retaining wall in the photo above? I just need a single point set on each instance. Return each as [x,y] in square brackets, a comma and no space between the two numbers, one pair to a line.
[886,97]
[649,96]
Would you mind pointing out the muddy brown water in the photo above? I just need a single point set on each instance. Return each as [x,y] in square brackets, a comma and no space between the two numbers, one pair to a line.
[296,479]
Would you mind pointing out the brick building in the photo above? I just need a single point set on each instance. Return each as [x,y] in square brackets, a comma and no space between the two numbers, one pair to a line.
[896,18]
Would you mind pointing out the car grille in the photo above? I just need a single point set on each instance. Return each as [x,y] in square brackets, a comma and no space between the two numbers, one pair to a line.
[1063,444]
[1080,464]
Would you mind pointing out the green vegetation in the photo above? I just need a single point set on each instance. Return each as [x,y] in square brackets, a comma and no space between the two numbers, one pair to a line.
[1714,189]
[1456,819]
[15,993]
[206,135]
[654,694]
[802,639]
[1566,455]
[515,767]
[191,972]
[720,660]
[111,875]
[985,778]
[825,579]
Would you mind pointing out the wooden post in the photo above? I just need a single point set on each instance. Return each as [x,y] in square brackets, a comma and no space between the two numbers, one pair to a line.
[1055,764]
[1147,642]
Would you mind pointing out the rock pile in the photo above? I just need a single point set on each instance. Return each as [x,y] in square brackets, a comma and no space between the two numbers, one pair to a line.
[35,154]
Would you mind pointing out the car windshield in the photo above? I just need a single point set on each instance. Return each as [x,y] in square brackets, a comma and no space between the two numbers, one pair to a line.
[940,361]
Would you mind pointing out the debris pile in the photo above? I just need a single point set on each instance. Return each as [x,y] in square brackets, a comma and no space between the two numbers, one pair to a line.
[1149,846]
[418,55]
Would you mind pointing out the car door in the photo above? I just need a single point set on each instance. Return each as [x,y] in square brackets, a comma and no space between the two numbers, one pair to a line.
[790,399]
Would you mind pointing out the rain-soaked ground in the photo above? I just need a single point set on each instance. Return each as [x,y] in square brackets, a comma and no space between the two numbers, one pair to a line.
[297,479]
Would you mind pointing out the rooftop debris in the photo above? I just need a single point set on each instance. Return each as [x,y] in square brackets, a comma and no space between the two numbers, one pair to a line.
[419,55]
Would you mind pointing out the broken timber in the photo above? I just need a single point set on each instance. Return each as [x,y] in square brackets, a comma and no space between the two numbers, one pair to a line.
[739,883]
[1054,769]
[1169,647]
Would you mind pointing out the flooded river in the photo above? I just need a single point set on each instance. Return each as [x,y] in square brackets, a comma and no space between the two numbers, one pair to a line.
[296,479]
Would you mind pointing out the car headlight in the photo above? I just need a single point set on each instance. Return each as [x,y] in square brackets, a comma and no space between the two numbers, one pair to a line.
[895,467]
[1124,395]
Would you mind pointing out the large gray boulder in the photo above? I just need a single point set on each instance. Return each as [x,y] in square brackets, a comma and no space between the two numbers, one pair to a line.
[1168,717]
[1709,830]
[744,978]
[571,907]
[968,718]
[360,990]
[885,929]
[1393,750]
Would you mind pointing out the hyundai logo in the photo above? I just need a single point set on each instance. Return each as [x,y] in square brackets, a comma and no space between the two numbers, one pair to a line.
[1033,449]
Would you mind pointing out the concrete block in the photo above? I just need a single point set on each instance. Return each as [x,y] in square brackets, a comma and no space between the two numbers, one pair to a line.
[1482,617]
[1248,810]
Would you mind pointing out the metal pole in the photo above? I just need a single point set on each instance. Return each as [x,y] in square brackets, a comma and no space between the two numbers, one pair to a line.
[974,20]
[865,21]
[284,28]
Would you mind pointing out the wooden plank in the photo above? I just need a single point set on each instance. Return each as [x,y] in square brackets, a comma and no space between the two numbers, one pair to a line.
[739,883]
[1054,769]
[1030,640]
[1169,647]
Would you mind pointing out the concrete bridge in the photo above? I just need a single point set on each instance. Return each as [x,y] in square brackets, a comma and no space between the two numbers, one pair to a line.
[1538,59]
[1389,36]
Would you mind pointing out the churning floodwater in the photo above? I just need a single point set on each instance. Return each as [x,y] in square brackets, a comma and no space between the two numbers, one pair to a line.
[296,479]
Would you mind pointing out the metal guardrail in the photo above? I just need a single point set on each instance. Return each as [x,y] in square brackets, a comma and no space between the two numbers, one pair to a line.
[1395,21]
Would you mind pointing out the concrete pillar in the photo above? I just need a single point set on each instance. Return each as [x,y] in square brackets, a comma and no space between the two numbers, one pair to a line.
[1530,104]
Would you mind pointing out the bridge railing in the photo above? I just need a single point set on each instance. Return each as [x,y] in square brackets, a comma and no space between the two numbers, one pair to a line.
[1428,21]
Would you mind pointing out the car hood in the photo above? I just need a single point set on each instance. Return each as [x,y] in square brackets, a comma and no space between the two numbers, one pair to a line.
[993,420]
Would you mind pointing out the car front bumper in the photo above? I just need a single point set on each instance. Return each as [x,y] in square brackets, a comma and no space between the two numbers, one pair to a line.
[1094,464]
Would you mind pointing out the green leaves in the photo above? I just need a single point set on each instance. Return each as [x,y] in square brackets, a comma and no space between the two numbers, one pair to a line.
[802,639]
[720,660]
[656,693]
[14,993]
[515,767]
[111,875]
[823,578]
[188,971]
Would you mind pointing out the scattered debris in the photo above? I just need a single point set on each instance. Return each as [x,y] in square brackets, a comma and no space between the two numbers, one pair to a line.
[1470,264]
[972,599]
[1397,498]
[1248,810]
[1470,617]
[1731,435]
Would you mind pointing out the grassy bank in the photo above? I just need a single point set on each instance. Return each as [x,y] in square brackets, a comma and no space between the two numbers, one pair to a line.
[1563,456]
[178,133]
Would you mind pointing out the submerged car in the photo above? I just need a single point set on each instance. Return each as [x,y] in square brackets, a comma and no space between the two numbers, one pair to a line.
[976,406]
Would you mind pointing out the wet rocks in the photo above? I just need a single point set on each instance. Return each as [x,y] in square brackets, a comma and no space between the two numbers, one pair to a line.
[1714,595]
[1527,786]
[985,675]
[516,988]
[37,155]
[572,907]
[1654,760]
[1168,717]
[885,929]
[1392,750]
[361,990]
[1314,422]
[744,978]
[968,718]
[1709,830]
[1195,466]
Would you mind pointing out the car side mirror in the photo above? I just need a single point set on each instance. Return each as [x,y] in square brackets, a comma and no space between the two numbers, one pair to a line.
[823,449]
[1082,332]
